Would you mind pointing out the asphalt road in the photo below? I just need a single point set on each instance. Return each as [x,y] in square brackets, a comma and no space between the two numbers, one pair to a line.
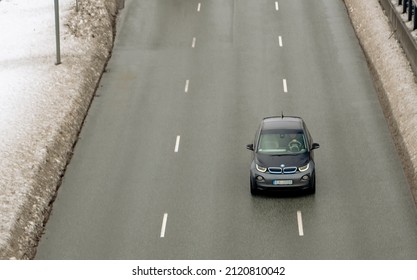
[161,170]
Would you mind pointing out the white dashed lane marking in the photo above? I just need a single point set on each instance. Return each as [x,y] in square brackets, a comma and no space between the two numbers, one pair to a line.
[284,85]
[177,144]
[187,83]
[164,224]
[300,224]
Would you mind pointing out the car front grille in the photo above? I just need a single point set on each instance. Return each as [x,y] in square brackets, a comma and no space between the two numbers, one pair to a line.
[275,170]
[280,170]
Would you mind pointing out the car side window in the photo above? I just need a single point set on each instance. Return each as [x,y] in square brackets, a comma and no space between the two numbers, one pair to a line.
[255,141]
[309,139]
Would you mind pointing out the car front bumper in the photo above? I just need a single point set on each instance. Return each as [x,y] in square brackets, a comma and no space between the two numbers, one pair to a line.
[276,182]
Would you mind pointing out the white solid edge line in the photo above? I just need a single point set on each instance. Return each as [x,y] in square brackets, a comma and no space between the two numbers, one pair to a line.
[284,85]
[280,41]
[300,224]
[187,82]
[198,7]
[164,224]
[193,43]
[177,144]
[276,5]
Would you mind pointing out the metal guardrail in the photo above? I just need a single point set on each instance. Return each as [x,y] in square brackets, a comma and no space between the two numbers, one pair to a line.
[395,10]
[409,7]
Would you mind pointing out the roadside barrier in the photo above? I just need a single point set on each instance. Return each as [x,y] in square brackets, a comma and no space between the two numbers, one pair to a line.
[403,17]
[409,7]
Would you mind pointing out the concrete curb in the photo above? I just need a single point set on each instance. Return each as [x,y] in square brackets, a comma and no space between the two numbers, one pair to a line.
[393,79]
[402,30]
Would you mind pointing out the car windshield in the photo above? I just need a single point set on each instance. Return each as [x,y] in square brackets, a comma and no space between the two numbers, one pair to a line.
[282,142]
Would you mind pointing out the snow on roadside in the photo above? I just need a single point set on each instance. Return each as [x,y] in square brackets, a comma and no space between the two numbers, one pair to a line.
[43,105]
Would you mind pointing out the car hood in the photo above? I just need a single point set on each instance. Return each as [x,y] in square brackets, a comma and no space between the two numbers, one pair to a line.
[288,160]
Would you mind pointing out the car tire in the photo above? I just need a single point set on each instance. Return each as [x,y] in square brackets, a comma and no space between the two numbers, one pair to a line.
[253,187]
[312,189]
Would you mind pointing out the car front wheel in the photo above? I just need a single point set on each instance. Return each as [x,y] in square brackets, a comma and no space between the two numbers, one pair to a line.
[312,189]
[253,187]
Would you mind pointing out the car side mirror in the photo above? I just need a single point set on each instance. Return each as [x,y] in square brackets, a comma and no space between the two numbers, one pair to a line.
[249,147]
[315,146]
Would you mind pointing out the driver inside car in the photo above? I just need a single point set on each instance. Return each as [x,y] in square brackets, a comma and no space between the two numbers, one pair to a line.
[295,143]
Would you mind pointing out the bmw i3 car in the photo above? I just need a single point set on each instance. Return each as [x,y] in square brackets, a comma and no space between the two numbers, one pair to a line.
[283,156]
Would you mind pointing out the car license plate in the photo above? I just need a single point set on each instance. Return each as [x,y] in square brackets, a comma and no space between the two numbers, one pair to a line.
[282,182]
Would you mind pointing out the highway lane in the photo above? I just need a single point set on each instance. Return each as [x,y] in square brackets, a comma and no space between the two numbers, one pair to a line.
[187,85]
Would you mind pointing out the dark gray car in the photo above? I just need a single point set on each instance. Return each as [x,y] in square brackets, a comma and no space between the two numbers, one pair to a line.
[283,156]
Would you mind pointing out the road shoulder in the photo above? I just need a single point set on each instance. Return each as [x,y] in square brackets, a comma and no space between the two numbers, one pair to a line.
[393,78]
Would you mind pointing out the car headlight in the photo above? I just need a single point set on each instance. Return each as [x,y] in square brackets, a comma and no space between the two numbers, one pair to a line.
[304,168]
[260,168]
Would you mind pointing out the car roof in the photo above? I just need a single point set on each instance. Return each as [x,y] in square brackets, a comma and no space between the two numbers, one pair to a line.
[282,122]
